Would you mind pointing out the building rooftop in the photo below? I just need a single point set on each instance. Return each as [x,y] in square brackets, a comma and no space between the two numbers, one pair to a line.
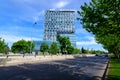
[63,10]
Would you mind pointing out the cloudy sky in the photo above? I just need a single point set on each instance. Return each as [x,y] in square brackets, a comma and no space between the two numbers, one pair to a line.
[18,16]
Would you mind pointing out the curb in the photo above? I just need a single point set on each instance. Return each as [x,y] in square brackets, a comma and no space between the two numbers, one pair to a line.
[106,71]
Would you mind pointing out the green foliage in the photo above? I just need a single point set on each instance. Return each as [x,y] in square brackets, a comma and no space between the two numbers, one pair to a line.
[114,69]
[83,50]
[95,52]
[6,49]
[53,48]
[101,18]
[22,46]
[77,51]
[65,44]
[87,51]
[30,46]
[44,47]
[3,46]
[70,49]
[98,52]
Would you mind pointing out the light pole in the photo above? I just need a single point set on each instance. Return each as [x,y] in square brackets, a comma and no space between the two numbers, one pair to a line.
[31,39]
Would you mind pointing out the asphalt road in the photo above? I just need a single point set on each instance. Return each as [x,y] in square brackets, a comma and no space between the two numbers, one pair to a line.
[89,68]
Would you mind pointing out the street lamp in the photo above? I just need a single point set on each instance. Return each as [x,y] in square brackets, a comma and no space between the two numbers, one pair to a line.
[31,39]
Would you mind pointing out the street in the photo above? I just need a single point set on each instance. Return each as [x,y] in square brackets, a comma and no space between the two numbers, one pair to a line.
[79,68]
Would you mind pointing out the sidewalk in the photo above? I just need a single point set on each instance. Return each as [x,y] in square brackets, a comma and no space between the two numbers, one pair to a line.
[15,60]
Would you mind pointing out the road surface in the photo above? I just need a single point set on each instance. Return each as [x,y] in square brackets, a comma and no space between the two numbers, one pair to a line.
[86,68]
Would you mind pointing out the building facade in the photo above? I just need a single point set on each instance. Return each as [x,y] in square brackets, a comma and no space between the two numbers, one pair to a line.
[60,22]
[38,44]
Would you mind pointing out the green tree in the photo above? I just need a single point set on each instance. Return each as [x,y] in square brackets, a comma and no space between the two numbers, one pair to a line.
[70,49]
[99,52]
[59,39]
[101,18]
[83,50]
[93,51]
[3,46]
[53,48]
[77,51]
[22,46]
[30,46]
[2,43]
[65,44]
[44,48]
[87,51]
[6,49]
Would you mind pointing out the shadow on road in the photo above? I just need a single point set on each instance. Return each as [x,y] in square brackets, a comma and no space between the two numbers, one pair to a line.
[69,69]
[4,60]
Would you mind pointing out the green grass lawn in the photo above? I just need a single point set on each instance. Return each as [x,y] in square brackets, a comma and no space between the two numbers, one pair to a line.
[114,69]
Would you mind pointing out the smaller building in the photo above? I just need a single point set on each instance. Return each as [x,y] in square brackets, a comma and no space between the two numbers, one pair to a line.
[71,37]
[38,44]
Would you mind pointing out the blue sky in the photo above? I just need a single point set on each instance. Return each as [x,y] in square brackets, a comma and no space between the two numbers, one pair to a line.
[17,18]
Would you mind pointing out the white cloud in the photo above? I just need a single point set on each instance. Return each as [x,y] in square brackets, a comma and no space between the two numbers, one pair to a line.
[12,38]
[91,41]
[38,16]
[33,17]
[60,4]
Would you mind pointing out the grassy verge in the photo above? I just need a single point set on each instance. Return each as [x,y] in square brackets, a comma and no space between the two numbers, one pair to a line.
[114,69]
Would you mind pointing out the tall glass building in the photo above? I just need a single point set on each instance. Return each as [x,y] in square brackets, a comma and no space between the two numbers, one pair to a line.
[60,22]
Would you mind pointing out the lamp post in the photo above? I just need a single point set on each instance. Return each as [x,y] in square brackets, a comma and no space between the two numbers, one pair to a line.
[31,39]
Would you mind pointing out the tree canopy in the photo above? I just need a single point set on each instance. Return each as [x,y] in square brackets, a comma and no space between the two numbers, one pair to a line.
[44,47]
[77,51]
[3,46]
[65,44]
[22,46]
[83,50]
[101,18]
[70,49]
[53,48]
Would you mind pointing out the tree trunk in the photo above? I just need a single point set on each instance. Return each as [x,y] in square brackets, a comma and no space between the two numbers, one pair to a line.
[44,54]
[118,55]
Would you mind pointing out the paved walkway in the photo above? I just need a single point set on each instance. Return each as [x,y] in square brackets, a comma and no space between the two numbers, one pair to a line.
[89,68]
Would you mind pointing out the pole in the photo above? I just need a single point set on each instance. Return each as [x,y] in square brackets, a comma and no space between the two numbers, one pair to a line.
[31,40]
[31,45]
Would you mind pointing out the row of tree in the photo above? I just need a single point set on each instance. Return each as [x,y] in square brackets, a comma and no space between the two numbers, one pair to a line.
[20,46]
[55,49]
[87,51]
[102,18]
[64,46]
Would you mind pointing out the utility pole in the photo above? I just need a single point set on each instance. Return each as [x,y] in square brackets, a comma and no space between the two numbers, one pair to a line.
[31,39]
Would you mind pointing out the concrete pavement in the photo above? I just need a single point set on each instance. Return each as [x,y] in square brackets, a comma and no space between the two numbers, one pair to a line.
[77,68]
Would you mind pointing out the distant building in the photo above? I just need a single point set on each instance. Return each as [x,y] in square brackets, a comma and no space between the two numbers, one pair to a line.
[38,44]
[60,22]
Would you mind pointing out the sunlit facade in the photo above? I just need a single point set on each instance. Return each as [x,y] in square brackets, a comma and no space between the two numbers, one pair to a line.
[38,44]
[59,22]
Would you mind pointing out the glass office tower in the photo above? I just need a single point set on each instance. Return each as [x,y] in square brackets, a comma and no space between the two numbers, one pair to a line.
[60,22]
